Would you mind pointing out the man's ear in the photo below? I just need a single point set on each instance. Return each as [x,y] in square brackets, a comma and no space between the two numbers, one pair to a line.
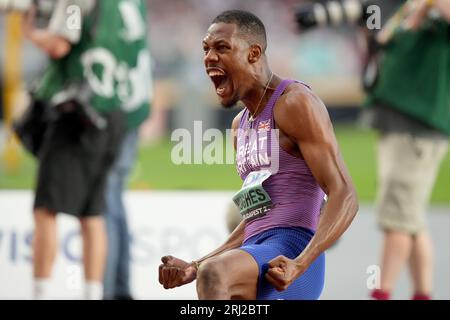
[255,53]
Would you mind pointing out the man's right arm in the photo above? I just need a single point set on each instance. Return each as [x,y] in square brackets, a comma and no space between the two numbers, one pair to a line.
[237,236]
[175,272]
[234,241]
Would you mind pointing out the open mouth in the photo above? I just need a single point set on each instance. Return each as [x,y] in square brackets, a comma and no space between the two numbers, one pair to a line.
[220,80]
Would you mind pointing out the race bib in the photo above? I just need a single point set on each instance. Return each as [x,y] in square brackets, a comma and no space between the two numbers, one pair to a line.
[252,200]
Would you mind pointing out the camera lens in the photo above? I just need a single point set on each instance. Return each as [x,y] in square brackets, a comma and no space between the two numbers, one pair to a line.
[306,17]
[331,13]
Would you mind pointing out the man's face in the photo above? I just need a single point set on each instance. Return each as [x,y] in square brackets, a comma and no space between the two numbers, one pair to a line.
[226,61]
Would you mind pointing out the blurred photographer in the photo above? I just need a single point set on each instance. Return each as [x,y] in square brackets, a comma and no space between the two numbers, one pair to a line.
[410,104]
[367,16]
[407,79]
[94,91]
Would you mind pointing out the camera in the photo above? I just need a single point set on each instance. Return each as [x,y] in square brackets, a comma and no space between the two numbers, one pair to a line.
[44,7]
[331,13]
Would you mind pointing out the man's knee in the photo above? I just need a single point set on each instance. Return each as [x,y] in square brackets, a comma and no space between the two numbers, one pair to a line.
[92,224]
[211,273]
[44,216]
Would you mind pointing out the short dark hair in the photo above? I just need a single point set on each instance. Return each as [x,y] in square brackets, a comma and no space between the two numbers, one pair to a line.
[249,24]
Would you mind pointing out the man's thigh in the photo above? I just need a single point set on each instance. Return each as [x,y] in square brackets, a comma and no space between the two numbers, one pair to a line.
[240,273]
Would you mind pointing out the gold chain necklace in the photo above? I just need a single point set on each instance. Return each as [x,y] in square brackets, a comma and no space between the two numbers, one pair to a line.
[252,118]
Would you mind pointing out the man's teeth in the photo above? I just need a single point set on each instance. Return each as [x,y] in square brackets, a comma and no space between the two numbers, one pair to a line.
[215,73]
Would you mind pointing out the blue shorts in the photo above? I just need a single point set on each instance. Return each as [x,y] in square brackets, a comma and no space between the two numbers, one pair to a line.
[288,242]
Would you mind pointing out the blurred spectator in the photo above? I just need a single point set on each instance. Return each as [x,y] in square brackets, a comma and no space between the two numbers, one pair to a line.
[411,109]
[95,86]
[117,272]
[1,98]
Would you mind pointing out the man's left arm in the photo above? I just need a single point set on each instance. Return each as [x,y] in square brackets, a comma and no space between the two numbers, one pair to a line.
[304,118]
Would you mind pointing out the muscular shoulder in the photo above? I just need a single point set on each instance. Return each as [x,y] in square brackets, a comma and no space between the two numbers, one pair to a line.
[299,111]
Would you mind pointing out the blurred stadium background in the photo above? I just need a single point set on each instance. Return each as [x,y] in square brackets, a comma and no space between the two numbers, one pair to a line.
[330,59]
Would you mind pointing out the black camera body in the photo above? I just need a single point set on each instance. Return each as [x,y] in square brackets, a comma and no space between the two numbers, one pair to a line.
[332,13]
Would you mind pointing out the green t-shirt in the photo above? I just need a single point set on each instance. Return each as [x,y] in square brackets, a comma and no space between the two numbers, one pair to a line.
[112,58]
[414,75]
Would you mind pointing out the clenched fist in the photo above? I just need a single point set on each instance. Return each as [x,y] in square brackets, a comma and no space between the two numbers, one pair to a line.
[174,272]
[282,272]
